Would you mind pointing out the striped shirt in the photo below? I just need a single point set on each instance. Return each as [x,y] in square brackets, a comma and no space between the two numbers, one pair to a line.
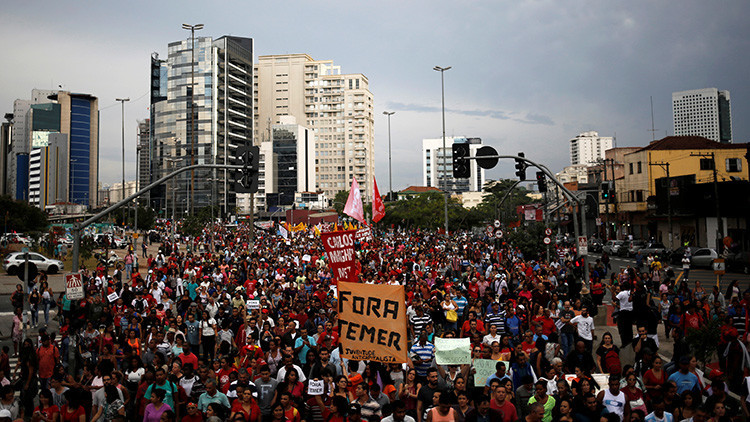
[461,302]
[496,319]
[419,322]
[423,352]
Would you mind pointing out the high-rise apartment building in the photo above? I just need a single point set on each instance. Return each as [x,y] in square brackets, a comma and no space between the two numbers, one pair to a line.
[703,112]
[203,123]
[6,131]
[336,107]
[35,121]
[437,165]
[588,147]
[142,155]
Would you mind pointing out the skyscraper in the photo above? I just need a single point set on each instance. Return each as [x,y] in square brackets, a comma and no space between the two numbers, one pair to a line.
[432,172]
[588,147]
[222,118]
[35,121]
[703,112]
[338,108]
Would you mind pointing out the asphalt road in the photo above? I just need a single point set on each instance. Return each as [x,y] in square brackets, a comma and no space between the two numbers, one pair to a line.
[705,276]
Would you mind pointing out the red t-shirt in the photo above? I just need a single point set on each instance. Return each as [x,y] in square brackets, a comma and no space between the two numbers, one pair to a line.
[507,409]
[74,416]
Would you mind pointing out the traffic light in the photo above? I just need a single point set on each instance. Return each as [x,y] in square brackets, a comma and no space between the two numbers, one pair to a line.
[249,158]
[461,167]
[605,190]
[521,167]
[541,181]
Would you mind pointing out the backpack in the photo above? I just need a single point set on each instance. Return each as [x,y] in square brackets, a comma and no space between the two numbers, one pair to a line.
[612,362]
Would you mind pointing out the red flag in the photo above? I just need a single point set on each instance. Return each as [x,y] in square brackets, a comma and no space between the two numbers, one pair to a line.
[378,209]
[354,207]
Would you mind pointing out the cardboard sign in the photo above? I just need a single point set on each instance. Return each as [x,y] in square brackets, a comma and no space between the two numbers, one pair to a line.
[315,388]
[306,257]
[253,304]
[364,234]
[452,351]
[113,297]
[74,286]
[372,320]
[339,247]
[484,369]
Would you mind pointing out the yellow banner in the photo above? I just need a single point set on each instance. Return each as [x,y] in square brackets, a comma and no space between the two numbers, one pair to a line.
[372,320]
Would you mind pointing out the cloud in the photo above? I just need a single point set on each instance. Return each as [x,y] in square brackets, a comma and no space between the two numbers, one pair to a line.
[529,118]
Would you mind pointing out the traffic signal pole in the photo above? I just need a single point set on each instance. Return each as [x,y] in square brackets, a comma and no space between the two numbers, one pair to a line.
[570,195]
[78,227]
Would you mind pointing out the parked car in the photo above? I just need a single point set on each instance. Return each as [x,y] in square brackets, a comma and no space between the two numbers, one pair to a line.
[635,246]
[675,257]
[11,238]
[13,261]
[595,245]
[613,247]
[654,248]
[703,258]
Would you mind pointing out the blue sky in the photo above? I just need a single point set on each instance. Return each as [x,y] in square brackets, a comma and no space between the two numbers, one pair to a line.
[527,75]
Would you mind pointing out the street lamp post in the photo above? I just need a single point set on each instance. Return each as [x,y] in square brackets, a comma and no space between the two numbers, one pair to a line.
[390,173]
[192,29]
[138,149]
[122,102]
[444,178]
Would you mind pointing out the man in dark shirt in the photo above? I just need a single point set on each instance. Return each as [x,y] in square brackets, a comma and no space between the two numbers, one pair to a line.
[642,342]
[591,410]
[323,363]
[424,395]
[579,357]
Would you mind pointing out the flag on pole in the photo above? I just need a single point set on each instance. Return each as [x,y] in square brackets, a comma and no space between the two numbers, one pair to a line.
[378,209]
[354,207]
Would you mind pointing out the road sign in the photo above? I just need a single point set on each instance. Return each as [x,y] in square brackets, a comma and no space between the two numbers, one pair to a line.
[583,245]
[32,271]
[720,266]
[486,163]
[489,230]
[74,286]
[547,240]
[499,234]
[497,224]
[135,235]
[548,231]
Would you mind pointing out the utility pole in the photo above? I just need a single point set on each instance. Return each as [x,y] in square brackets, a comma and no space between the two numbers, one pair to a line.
[665,166]
[719,222]
[606,204]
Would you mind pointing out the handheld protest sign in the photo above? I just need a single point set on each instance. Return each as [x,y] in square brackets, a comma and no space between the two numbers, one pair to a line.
[372,320]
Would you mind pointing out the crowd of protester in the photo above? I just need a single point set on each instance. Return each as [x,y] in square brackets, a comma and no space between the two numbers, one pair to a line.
[218,328]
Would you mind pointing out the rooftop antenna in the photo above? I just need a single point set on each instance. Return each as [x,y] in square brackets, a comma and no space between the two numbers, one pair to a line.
[614,140]
[653,131]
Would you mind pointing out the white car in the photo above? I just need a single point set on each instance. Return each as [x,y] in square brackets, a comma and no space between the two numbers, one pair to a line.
[703,257]
[15,260]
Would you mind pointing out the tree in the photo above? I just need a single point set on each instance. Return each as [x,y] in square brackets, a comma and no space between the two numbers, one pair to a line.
[339,201]
[490,208]
[194,224]
[22,217]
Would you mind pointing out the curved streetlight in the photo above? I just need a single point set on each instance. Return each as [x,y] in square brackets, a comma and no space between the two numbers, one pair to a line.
[445,171]
[390,173]
[192,29]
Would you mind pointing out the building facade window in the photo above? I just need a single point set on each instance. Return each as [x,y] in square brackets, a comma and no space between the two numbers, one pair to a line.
[734,165]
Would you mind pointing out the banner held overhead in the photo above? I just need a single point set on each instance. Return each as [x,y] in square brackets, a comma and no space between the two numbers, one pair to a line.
[372,320]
